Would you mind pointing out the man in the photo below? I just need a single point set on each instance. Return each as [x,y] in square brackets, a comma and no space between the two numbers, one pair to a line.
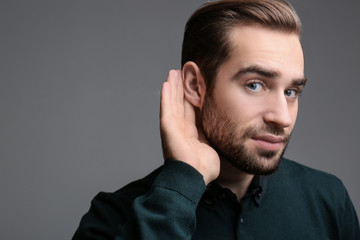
[226,119]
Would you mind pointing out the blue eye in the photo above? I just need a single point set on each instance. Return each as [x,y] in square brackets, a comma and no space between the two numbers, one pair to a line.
[291,93]
[255,86]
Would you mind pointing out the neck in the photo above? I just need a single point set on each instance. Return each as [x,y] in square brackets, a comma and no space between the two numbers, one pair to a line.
[234,179]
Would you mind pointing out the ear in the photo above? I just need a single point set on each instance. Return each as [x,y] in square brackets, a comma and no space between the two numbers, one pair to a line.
[194,84]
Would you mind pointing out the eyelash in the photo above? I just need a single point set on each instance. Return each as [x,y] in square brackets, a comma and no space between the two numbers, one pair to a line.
[298,92]
[255,81]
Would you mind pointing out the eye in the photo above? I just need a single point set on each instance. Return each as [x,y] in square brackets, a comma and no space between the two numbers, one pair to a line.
[291,93]
[255,86]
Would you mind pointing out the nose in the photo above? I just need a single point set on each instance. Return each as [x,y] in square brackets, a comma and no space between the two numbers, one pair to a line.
[278,112]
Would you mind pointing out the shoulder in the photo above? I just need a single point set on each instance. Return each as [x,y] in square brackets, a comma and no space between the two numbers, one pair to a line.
[309,181]
[317,195]
[108,209]
[306,180]
[297,171]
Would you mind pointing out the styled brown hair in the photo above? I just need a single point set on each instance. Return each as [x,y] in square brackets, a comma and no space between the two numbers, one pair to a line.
[207,31]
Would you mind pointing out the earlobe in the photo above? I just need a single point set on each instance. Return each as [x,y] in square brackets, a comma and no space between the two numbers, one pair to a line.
[194,84]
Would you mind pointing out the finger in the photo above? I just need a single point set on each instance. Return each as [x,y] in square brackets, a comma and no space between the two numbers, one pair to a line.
[189,112]
[166,96]
[165,99]
[176,92]
[179,90]
[172,79]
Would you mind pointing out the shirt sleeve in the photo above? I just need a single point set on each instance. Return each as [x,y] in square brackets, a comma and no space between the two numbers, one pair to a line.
[166,211]
[350,222]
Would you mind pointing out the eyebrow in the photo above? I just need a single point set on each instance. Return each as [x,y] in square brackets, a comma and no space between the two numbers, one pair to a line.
[300,82]
[266,73]
[258,70]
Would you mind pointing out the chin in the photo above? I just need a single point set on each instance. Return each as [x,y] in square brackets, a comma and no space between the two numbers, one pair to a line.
[261,168]
[260,162]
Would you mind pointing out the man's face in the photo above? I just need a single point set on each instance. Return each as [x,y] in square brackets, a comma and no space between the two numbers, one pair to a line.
[249,115]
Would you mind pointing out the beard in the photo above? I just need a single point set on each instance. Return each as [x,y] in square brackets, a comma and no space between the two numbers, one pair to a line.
[223,135]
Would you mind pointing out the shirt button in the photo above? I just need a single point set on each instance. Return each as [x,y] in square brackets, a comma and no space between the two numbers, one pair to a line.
[241,220]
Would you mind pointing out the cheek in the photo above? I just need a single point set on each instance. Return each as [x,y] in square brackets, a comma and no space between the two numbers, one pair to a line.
[293,111]
[240,107]
[243,110]
[293,107]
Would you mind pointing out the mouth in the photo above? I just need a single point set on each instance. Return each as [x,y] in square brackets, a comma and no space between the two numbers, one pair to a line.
[268,142]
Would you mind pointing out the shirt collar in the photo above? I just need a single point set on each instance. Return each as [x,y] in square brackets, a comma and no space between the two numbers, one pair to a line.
[256,190]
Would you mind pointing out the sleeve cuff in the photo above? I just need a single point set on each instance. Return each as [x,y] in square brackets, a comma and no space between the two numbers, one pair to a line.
[182,178]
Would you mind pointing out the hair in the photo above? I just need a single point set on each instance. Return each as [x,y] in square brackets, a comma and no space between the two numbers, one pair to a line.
[206,36]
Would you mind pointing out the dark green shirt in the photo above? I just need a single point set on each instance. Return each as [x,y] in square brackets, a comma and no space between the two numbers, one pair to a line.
[294,203]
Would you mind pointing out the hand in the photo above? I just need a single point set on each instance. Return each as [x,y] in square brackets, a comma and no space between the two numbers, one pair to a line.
[179,135]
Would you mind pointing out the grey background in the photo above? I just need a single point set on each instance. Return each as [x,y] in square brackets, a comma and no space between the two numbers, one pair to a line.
[79,101]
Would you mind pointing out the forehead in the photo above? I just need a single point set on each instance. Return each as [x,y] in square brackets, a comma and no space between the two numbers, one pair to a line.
[277,50]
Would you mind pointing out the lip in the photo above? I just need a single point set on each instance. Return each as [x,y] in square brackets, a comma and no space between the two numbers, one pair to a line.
[269,138]
[268,142]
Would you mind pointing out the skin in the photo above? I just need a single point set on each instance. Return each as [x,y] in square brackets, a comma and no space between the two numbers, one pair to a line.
[256,90]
